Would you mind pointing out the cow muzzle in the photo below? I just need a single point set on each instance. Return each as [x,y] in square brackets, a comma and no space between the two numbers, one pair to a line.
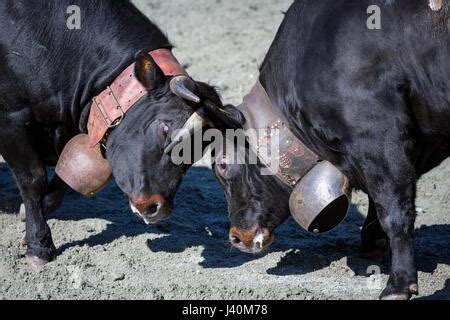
[83,167]
[152,209]
[253,240]
[321,199]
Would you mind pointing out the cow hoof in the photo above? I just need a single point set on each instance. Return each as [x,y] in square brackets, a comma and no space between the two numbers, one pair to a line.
[399,296]
[38,256]
[22,213]
[23,243]
[413,289]
[36,262]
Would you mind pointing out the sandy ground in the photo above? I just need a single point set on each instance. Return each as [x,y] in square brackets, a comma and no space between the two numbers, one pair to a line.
[104,252]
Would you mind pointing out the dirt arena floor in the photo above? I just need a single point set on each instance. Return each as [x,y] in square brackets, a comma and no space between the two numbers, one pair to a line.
[105,253]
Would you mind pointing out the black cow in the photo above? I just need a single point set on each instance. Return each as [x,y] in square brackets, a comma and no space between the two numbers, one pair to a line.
[375,103]
[48,76]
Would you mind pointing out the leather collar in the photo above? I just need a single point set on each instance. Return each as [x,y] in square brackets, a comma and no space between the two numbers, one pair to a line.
[295,158]
[109,107]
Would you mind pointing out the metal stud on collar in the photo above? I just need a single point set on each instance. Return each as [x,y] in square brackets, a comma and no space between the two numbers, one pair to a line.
[119,107]
[110,123]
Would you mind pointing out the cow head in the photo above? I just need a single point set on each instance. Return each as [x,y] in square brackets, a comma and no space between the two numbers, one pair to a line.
[135,148]
[257,203]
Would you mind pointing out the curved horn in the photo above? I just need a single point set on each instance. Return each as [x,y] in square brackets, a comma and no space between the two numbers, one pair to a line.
[183,86]
[192,125]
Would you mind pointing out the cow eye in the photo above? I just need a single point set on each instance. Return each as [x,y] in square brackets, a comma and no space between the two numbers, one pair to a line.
[222,167]
[165,129]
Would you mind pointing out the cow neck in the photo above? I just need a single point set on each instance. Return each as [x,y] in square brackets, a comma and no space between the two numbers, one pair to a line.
[110,106]
[295,159]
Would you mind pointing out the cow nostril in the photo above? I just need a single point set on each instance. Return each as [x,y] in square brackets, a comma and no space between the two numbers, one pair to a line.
[235,240]
[154,208]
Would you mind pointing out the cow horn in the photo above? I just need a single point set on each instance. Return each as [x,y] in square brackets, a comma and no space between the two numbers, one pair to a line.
[182,86]
[192,125]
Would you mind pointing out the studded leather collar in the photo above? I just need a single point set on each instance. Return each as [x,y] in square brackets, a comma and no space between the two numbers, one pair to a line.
[109,107]
[294,158]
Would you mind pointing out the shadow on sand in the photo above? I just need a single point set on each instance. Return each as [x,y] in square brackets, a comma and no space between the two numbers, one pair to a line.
[443,294]
[201,219]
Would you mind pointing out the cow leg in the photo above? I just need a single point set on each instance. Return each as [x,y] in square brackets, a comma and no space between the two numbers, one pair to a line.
[391,182]
[374,241]
[53,198]
[31,178]
[397,214]
[54,195]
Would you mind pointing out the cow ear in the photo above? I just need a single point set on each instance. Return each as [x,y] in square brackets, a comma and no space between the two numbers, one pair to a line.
[148,72]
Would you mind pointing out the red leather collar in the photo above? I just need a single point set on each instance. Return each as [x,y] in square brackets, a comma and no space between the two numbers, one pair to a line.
[110,106]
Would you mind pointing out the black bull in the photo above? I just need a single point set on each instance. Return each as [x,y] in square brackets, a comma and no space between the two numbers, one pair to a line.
[375,103]
[48,76]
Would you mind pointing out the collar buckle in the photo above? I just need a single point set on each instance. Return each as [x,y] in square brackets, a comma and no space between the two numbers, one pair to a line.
[110,123]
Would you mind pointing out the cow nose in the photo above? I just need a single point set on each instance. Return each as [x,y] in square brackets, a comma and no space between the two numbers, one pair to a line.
[253,240]
[152,209]
[235,240]
[241,239]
